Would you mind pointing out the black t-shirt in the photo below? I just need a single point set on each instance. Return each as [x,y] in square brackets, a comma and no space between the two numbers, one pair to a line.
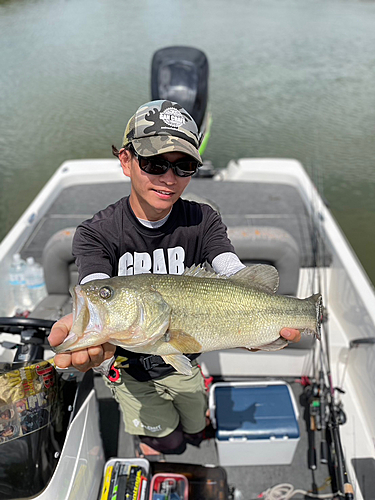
[114,242]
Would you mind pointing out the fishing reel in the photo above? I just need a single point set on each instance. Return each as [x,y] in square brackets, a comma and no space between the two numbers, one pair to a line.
[339,414]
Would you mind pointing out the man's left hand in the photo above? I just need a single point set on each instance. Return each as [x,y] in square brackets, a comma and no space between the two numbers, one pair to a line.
[291,334]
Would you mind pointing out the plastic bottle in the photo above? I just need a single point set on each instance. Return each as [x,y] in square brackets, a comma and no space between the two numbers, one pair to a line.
[17,282]
[35,281]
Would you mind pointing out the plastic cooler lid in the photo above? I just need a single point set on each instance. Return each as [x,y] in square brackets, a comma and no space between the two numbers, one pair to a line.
[255,412]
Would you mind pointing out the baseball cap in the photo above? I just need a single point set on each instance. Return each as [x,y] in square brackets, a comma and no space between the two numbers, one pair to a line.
[162,126]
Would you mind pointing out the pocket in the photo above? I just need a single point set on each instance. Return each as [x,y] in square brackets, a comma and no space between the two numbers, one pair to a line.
[112,387]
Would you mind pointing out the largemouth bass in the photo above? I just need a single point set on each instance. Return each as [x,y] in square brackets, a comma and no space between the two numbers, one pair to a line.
[199,311]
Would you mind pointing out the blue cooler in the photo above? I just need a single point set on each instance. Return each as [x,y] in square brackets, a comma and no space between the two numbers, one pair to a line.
[256,422]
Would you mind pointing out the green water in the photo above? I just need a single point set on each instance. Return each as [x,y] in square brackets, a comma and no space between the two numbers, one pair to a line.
[287,79]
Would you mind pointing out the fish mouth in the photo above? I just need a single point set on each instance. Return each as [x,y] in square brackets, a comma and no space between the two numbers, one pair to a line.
[86,321]
[81,312]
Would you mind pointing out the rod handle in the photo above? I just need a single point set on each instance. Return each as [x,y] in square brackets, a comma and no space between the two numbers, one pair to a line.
[323,452]
[348,491]
[311,458]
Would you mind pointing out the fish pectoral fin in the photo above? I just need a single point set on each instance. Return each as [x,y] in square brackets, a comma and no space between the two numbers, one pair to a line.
[276,345]
[155,315]
[179,362]
[183,342]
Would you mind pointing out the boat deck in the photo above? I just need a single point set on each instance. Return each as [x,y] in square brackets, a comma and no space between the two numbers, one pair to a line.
[250,480]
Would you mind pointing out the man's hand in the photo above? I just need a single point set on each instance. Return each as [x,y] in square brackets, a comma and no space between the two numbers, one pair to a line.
[291,334]
[84,359]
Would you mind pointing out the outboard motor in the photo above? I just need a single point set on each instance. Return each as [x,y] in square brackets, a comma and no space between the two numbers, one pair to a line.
[180,74]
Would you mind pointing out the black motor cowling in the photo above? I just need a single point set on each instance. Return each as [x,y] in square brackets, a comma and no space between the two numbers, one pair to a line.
[180,74]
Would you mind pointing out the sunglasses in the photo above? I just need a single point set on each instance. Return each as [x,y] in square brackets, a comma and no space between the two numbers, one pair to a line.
[158,166]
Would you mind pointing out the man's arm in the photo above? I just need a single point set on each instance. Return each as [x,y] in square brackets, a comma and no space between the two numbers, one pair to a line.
[91,251]
[84,359]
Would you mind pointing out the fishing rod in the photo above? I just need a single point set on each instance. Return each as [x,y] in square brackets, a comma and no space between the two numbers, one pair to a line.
[329,416]
[322,407]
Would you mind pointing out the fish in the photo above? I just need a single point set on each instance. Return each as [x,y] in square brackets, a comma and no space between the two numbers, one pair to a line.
[198,311]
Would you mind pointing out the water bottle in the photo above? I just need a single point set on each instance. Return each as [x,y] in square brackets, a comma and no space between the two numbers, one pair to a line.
[17,283]
[35,281]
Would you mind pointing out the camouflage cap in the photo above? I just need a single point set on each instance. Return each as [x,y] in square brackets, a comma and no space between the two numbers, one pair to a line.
[160,127]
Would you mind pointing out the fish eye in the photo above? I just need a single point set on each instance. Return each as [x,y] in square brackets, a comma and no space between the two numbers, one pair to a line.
[106,292]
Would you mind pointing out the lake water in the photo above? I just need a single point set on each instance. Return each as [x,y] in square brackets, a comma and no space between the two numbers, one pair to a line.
[288,78]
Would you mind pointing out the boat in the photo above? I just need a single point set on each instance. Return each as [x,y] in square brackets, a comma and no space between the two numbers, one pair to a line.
[300,421]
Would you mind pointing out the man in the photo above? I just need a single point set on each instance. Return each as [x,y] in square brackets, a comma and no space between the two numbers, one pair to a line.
[153,230]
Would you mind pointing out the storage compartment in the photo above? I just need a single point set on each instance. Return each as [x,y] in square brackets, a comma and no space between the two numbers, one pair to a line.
[125,478]
[256,422]
[169,486]
[205,481]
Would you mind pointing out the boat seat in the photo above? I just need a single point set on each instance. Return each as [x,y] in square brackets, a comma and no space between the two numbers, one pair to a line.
[60,273]
[252,244]
[271,245]
[53,307]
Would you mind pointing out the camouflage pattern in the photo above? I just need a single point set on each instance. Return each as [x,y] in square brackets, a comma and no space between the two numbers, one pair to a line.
[161,127]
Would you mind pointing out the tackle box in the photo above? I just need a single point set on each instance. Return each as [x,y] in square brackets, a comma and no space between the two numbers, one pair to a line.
[125,478]
[256,422]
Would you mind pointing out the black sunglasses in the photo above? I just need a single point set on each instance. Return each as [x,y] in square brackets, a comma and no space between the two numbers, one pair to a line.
[157,166]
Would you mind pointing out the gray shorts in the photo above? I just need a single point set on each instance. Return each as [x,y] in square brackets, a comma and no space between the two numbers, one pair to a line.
[155,407]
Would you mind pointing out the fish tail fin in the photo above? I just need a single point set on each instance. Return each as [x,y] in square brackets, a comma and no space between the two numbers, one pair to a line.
[317,300]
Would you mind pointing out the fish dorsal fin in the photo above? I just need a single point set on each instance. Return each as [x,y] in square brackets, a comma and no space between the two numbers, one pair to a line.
[201,272]
[260,276]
